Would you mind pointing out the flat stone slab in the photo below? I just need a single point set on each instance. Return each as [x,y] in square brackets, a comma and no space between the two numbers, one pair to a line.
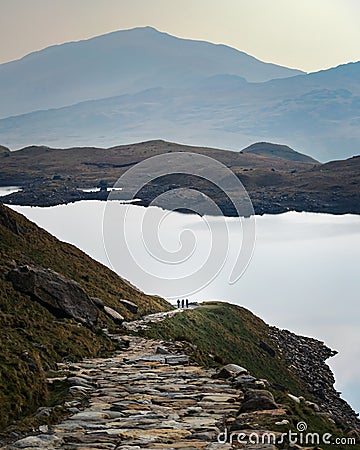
[176,359]
[40,441]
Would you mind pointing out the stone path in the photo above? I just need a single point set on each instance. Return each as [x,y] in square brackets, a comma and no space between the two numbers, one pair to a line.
[144,322]
[150,396]
[142,397]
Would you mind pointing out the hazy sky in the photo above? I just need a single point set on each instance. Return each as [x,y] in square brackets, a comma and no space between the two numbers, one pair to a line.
[305,34]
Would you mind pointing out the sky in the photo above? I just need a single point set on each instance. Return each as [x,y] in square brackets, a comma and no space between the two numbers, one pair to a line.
[306,34]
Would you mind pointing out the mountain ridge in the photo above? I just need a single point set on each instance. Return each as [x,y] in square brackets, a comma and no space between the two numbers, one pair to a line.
[116,63]
[315,113]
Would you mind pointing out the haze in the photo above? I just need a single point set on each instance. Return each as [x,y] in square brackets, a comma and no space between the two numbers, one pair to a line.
[305,35]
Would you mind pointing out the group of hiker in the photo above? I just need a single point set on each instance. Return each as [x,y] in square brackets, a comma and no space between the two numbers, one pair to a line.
[184,303]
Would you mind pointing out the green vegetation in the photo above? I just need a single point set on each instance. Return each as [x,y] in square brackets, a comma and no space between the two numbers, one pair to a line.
[221,333]
[32,340]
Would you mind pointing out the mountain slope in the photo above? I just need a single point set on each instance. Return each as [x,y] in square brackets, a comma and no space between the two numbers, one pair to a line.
[278,151]
[121,62]
[32,339]
[316,113]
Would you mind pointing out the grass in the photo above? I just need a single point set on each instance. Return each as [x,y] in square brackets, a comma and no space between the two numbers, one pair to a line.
[221,333]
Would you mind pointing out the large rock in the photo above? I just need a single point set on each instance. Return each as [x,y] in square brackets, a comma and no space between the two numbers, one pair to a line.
[231,370]
[257,400]
[61,296]
[130,306]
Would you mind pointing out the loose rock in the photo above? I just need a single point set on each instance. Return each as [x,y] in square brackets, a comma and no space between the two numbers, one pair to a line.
[130,306]
[257,400]
[115,316]
[231,370]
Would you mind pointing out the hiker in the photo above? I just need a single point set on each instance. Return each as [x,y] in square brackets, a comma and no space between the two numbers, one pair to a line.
[187,302]
[182,303]
[178,302]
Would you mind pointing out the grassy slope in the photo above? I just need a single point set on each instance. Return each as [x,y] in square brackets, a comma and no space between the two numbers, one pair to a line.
[230,334]
[31,339]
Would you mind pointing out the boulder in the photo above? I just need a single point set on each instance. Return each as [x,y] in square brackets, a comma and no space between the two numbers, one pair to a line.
[61,296]
[231,371]
[130,306]
[257,400]
[98,302]
[114,315]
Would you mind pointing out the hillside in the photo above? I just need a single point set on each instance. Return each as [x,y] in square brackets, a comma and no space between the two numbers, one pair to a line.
[275,185]
[122,62]
[278,151]
[32,338]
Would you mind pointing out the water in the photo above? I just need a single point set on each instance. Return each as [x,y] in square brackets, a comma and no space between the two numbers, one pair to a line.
[97,189]
[304,274]
[6,190]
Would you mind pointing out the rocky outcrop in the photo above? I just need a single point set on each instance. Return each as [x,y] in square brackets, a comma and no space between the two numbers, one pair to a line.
[130,306]
[306,359]
[63,297]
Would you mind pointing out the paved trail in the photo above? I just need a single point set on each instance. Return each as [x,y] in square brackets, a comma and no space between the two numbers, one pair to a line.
[142,399]
[146,321]
[147,396]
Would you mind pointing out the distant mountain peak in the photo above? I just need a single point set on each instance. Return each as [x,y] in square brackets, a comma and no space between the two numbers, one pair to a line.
[278,151]
[117,63]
